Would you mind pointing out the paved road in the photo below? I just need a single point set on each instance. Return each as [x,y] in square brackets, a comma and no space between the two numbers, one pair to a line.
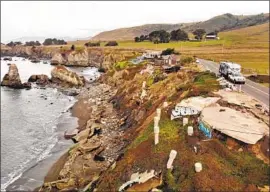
[256,90]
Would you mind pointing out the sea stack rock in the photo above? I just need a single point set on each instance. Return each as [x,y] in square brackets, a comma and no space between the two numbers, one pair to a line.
[64,75]
[12,78]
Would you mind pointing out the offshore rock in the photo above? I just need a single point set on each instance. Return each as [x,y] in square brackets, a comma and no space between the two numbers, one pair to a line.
[64,75]
[12,78]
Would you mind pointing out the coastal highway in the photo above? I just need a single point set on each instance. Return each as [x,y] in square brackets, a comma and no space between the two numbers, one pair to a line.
[255,90]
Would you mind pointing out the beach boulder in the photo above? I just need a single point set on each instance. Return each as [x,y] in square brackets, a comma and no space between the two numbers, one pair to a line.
[39,79]
[12,78]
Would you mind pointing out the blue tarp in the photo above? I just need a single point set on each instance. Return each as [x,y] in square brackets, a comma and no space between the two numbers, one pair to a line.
[205,130]
[137,60]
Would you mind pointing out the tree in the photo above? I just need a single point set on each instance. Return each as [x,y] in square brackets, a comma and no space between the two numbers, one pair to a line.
[168,51]
[32,43]
[161,36]
[179,35]
[137,39]
[142,38]
[112,43]
[199,33]
[92,44]
[12,44]
[54,41]
[164,36]
[72,47]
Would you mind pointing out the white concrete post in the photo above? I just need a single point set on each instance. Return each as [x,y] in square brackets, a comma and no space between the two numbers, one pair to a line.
[143,94]
[195,149]
[198,167]
[185,121]
[156,129]
[240,87]
[158,112]
[156,121]
[190,130]
[156,132]
[171,159]
[144,84]
[165,104]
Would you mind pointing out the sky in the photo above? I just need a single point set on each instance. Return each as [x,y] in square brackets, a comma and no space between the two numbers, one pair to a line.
[88,18]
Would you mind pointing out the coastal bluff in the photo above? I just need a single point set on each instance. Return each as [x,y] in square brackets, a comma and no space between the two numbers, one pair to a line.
[80,57]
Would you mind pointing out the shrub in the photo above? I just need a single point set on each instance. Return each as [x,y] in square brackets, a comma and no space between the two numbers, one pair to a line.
[187,60]
[121,65]
[111,43]
[32,43]
[72,47]
[92,44]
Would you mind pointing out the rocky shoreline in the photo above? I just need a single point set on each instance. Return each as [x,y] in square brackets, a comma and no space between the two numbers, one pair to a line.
[98,140]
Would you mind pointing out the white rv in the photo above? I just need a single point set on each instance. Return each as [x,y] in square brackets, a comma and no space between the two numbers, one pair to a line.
[231,71]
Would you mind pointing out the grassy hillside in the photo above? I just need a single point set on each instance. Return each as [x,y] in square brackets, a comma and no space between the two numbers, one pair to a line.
[248,46]
[220,23]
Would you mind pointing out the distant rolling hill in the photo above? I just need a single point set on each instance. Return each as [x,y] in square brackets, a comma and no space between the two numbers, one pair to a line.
[41,39]
[220,23]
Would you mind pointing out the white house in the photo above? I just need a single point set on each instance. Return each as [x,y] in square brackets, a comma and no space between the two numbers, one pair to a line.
[151,54]
[211,36]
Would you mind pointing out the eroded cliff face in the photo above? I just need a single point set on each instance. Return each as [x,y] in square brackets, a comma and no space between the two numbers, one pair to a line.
[97,57]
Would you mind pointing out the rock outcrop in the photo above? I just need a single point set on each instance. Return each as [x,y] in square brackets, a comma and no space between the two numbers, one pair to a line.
[71,58]
[12,78]
[58,59]
[39,79]
[65,76]
[76,58]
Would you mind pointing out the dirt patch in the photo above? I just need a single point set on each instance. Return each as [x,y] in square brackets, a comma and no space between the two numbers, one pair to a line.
[54,171]
[82,110]
[259,78]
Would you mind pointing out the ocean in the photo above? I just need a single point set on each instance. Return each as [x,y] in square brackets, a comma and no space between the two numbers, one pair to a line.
[33,123]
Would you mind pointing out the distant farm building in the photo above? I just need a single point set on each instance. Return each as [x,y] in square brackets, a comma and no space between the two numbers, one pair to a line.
[211,35]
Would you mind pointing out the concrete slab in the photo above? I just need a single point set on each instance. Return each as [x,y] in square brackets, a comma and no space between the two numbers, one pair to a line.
[237,98]
[241,126]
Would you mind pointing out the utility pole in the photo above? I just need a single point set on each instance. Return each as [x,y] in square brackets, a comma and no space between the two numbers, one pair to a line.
[223,46]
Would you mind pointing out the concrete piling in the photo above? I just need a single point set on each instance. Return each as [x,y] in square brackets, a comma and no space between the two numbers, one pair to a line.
[143,85]
[156,132]
[185,121]
[198,167]
[156,121]
[171,159]
[158,112]
[165,104]
[190,130]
